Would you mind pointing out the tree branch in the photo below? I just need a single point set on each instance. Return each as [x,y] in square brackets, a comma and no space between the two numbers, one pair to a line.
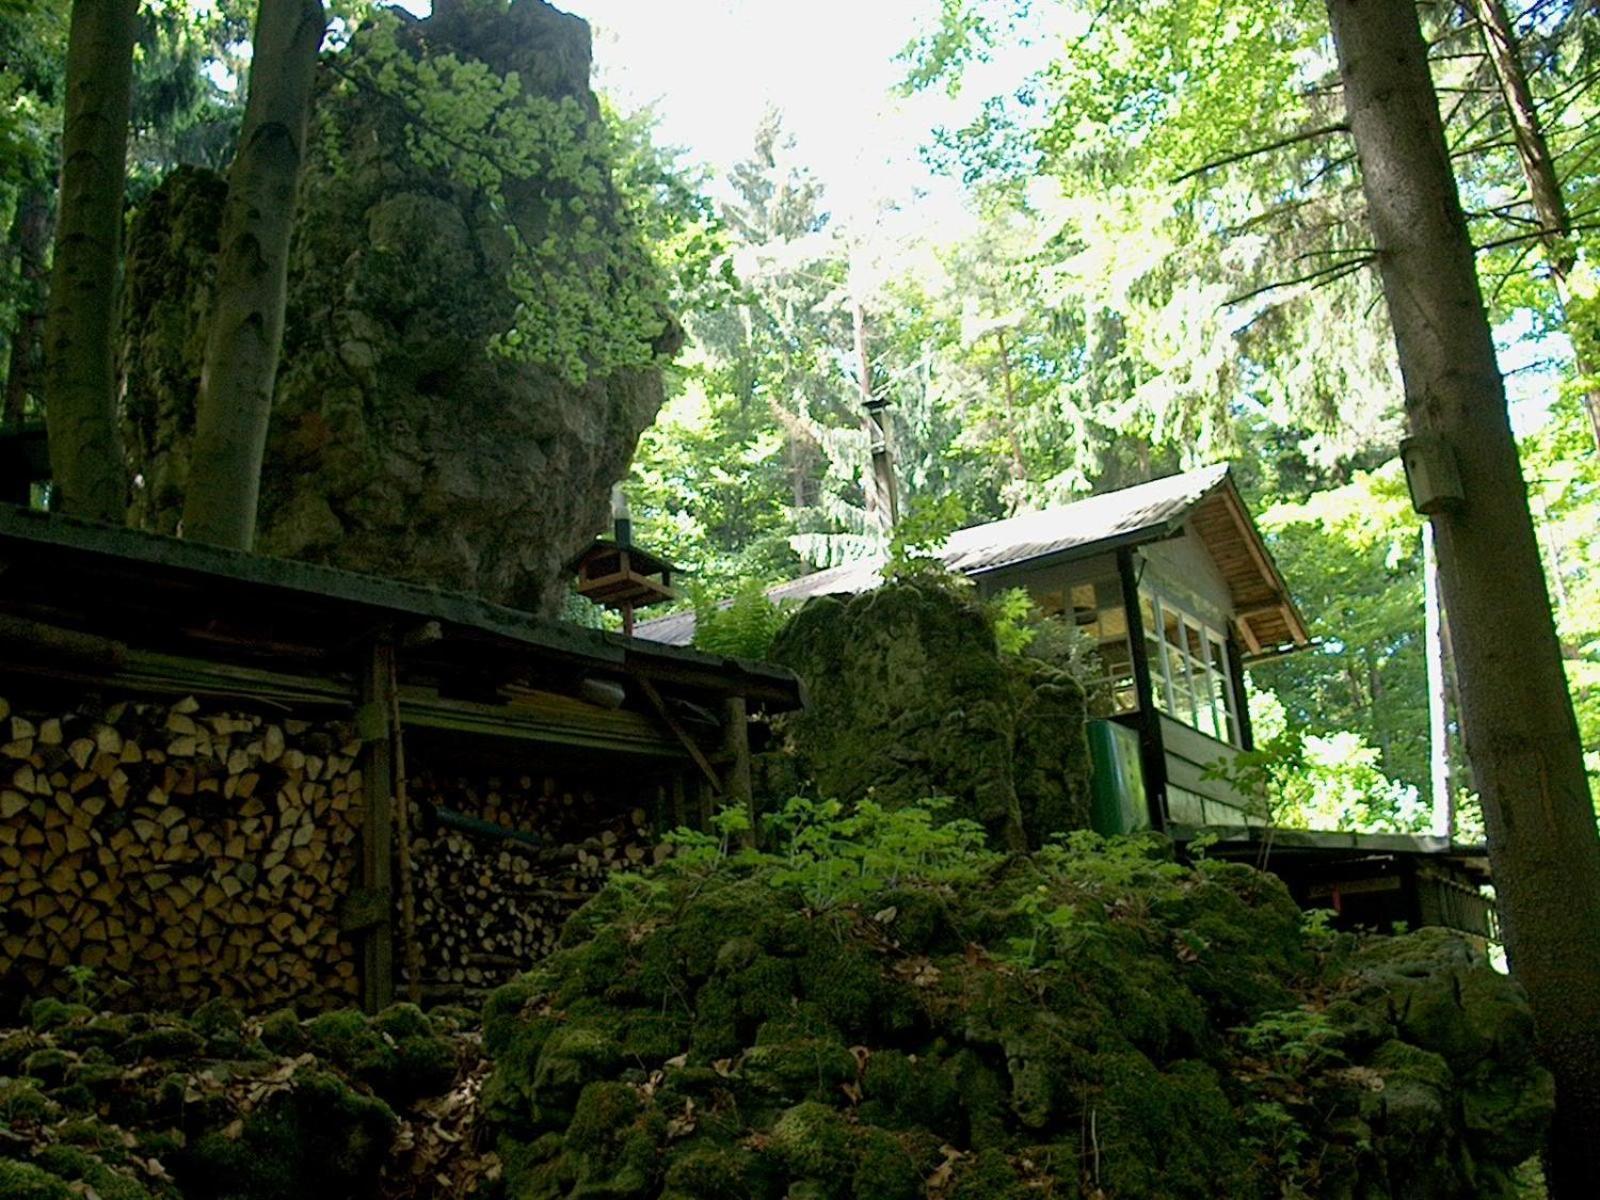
[1304,136]
[1325,275]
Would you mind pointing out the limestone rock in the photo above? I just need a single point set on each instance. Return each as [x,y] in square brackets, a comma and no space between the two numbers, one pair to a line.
[909,698]
[1105,1015]
[404,440]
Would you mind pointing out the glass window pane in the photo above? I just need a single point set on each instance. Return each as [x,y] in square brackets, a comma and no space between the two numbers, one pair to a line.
[1113,622]
[1171,626]
[1182,708]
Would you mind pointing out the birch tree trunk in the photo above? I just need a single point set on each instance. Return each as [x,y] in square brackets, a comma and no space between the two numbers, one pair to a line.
[1544,185]
[81,317]
[245,326]
[1517,720]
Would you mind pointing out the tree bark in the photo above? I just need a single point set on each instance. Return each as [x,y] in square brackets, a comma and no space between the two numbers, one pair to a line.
[1544,185]
[1440,789]
[31,236]
[88,479]
[1516,714]
[245,324]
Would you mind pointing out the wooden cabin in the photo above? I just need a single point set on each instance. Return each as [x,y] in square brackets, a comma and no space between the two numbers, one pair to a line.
[1177,590]
[1175,586]
[228,774]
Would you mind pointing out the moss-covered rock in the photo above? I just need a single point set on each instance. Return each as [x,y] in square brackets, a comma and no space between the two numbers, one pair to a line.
[24,1181]
[434,419]
[922,703]
[1109,1021]
[157,1107]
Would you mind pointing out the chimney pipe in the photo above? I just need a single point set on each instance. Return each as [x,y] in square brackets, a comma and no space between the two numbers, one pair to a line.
[621,522]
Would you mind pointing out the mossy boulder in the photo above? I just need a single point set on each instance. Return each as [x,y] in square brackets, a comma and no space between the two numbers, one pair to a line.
[913,699]
[428,420]
[144,1106]
[1108,1021]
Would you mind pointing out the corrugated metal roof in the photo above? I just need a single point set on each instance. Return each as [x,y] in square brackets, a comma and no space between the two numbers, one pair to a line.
[1130,515]
[1124,514]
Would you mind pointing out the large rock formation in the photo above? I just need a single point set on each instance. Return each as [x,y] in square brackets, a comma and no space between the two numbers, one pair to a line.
[473,326]
[1100,1022]
[910,698]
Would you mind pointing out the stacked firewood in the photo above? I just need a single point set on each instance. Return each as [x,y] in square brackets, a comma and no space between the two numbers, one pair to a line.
[176,852]
[491,904]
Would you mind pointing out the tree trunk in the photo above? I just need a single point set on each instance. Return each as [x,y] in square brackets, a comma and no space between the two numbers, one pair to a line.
[32,238]
[1019,469]
[245,325]
[883,504]
[1544,185]
[1440,789]
[1516,714]
[80,322]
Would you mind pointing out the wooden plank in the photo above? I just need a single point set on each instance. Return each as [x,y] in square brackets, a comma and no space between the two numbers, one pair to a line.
[736,747]
[377,828]
[1152,756]
[683,735]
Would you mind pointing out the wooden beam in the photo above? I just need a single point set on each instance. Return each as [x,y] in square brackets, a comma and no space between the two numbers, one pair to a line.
[377,823]
[736,748]
[1153,754]
[41,642]
[683,735]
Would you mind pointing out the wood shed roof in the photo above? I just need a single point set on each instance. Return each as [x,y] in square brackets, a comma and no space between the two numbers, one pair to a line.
[103,598]
[1147,512]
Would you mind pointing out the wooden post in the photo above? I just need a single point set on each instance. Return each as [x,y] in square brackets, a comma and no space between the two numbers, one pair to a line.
[1154,754]
[1241,703]
[377,823]
[736,785]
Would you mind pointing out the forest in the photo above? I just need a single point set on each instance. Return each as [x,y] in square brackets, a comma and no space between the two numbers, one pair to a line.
[420,293]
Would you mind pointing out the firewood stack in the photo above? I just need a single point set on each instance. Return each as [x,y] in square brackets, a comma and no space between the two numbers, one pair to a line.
[491,907]
[181,850]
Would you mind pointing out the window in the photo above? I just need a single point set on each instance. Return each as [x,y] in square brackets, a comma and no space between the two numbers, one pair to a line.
[1189,673]
[1097,612]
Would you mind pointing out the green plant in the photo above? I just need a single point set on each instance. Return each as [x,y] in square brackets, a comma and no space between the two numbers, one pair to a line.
[834,855]
[1293,1040]
[81,977]
[920,534]
[745,627]
[1015,620]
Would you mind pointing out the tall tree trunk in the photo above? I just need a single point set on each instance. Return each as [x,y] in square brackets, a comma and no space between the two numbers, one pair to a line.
[1544,185]
[1440,789]
[245,325]
[32,238]
[883,504]
[1019,469]
[88,479]
[1516,714]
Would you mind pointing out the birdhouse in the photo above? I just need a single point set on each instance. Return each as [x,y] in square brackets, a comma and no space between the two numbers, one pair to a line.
[615,573]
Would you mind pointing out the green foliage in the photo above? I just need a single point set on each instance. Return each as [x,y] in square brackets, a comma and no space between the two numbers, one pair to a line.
[1015,625]
[835,855]
[590,299]
[921,533]
[744,627]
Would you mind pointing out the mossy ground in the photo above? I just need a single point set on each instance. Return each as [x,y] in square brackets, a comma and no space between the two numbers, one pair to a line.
[1100,1021]
[156,1107]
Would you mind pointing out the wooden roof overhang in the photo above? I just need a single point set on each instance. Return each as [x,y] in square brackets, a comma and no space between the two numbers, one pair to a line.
[615,575]
[100,604]
[1264,613]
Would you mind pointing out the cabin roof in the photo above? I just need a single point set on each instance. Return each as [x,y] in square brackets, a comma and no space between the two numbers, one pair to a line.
[1147,512]
[166,593]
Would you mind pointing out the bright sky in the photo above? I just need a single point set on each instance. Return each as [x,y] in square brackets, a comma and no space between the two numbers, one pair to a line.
[711,67]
